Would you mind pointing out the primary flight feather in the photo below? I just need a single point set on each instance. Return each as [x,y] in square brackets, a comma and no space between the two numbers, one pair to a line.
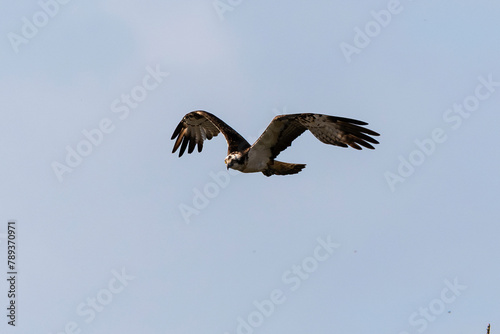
[199,125]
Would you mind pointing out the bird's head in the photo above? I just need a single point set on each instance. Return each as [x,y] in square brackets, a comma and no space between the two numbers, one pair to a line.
[234,161]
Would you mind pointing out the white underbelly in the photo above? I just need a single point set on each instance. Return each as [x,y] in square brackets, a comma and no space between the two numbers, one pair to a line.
[255,163]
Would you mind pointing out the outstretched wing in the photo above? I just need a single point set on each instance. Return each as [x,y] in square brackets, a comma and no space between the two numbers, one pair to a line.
[331,130]
[199,125]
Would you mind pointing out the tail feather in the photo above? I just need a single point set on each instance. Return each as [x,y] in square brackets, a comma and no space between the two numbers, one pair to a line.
[282,168]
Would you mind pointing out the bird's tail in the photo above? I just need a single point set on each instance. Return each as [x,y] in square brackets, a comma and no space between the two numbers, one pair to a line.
[282,168]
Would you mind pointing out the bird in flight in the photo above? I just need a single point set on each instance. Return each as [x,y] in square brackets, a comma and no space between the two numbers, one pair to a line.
[199,125]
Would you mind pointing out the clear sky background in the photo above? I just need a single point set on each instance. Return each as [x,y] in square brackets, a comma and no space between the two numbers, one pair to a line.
[117,235]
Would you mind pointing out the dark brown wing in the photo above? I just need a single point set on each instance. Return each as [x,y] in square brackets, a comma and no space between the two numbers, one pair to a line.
[331,130]
[199,125]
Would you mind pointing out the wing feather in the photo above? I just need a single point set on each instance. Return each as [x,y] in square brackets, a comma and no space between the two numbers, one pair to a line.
[338,131]
[180,135]
[199,125]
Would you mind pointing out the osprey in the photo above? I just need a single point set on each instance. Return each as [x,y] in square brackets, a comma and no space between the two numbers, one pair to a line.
[199,125]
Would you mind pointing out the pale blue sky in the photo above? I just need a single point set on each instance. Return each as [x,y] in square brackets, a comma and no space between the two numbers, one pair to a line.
[105,248]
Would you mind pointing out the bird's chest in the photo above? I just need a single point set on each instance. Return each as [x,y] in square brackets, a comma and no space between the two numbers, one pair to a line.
[255,162]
